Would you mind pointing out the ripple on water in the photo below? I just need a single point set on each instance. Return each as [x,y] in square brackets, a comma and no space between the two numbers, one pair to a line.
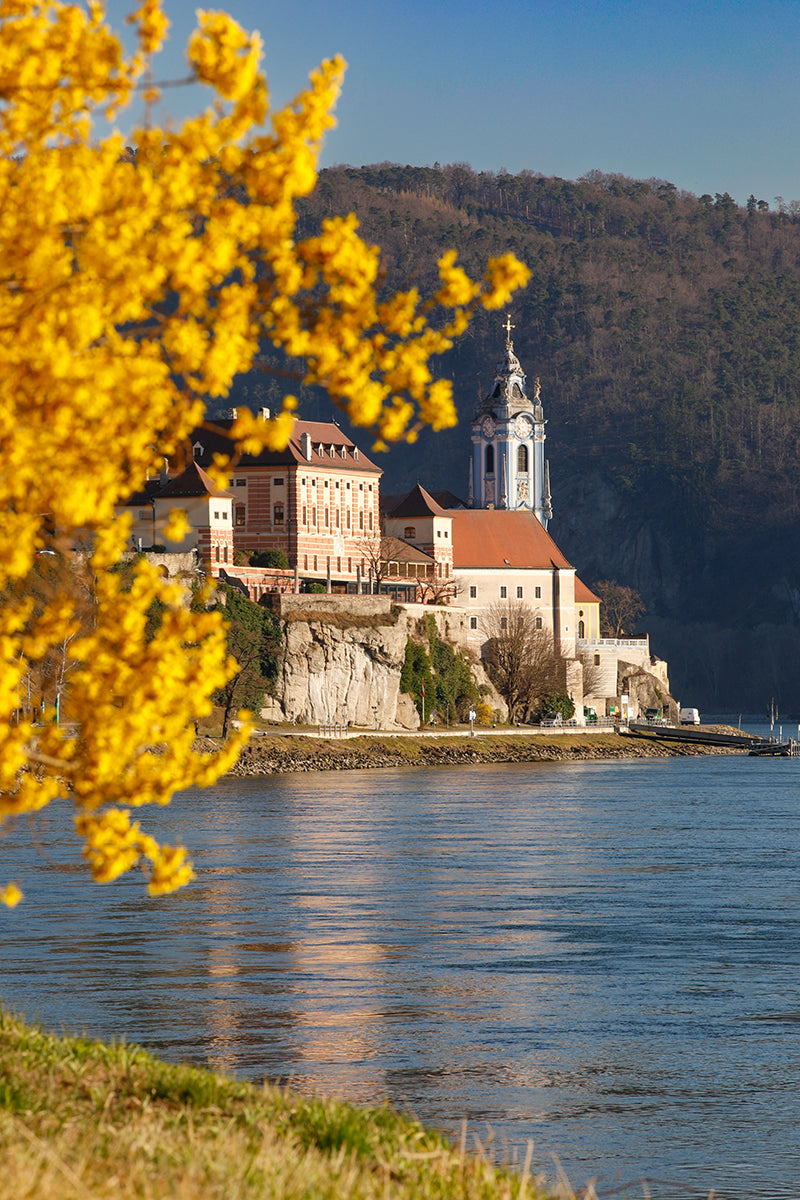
[599,956]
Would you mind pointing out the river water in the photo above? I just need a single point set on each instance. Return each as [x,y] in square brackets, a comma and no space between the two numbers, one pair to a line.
[601,957]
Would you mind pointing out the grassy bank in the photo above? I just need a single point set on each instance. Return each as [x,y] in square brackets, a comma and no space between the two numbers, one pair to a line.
[270,754]
[81,1119]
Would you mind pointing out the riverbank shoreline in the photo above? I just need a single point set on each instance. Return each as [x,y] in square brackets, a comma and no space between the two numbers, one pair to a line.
[82,1118]
[271,754]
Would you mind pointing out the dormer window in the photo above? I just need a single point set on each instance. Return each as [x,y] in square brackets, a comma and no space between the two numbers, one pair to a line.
[344,451]
[198,450]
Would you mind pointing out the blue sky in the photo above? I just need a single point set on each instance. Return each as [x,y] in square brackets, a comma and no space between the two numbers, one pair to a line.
[704,94]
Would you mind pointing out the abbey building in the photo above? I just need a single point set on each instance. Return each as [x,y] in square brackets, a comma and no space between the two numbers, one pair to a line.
[480,558]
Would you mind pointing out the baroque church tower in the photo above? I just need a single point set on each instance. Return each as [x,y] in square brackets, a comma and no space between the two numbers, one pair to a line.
[509,469]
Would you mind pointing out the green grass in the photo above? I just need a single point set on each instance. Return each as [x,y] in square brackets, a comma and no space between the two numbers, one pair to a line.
[82,1119]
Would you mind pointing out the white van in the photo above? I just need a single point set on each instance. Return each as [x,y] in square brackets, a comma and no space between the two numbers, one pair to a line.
[690,716]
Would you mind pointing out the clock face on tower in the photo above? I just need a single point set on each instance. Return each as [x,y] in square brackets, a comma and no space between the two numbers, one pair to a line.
[523,427]
[488,427]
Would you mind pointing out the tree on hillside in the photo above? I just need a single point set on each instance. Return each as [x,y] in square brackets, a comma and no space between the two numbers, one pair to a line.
[521,657]
[138,281]
[254,641]
[621,608]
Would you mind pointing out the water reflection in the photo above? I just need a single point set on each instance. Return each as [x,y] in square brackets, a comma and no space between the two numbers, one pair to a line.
[602,957]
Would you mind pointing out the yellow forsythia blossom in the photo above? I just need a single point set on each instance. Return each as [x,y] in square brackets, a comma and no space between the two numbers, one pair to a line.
[138,277]
[10,895]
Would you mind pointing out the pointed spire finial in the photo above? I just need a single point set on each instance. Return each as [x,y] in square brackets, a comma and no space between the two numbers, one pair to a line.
[508,327]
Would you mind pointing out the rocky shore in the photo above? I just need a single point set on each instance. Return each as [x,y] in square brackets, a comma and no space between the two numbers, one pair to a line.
[273,754]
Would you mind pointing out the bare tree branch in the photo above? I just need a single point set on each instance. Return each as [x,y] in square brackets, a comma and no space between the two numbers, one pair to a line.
[521,659]
[622,608]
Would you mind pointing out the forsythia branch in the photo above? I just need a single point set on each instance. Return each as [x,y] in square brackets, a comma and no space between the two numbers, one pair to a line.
[136,282]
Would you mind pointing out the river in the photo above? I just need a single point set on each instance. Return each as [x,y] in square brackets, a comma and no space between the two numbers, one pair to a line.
[601,957]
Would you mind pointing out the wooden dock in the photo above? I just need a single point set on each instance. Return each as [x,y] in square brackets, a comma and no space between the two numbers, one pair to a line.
[690,735]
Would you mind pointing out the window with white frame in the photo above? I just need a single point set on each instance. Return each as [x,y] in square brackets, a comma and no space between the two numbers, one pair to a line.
[503,592]
[473,592]
[537,593]
[520,591]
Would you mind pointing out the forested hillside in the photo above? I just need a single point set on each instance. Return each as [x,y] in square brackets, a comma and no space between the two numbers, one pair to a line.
[665,329]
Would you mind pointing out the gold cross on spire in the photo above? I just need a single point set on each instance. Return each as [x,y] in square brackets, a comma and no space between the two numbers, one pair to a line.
[508,327]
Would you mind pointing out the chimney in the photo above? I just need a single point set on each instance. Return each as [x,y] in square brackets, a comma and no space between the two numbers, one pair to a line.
[264,414]
[305,446]
[163,475]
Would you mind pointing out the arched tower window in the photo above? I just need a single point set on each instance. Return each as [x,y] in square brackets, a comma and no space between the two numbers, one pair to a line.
[490,460]
[581,629]
[522,458]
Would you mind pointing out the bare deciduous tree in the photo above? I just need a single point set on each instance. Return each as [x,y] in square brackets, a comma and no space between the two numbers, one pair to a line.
[522,661]
[375,549]
[622,607]
[438,591]
[593,676]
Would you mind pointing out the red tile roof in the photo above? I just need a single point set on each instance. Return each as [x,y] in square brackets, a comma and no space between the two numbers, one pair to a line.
[214,439]
[192,482]
[396,550]
[418,503]
[583,595]
[499,538]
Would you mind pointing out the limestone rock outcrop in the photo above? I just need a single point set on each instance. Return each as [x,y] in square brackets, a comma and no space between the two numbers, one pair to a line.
[342,662]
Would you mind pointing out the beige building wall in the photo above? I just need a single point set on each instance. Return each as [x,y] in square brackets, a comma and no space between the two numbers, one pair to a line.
[550,594]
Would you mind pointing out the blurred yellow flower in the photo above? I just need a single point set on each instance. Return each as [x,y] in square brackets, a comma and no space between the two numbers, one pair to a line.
[10,895]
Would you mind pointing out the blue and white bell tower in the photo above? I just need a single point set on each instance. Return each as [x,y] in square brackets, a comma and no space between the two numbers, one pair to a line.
[509,469]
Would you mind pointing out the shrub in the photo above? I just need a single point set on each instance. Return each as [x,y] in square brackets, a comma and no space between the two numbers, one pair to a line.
[270,558]
[557,702]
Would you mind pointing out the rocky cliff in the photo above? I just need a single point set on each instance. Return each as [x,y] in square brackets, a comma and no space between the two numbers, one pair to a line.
[342,663]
